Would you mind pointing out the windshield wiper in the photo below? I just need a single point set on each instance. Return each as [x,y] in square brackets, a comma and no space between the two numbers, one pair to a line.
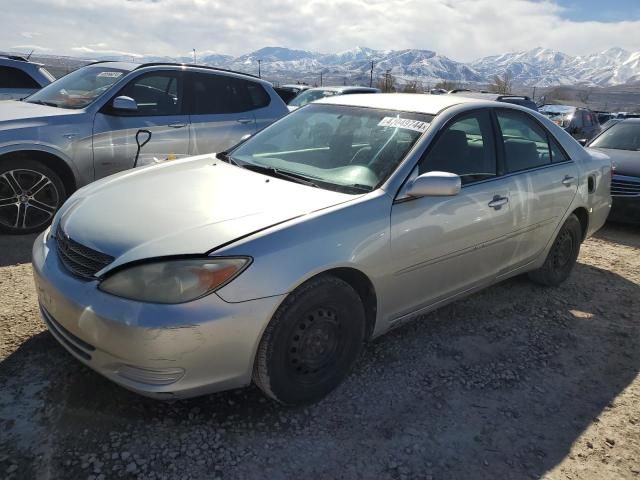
[224,156]
[42,102]
[283,174]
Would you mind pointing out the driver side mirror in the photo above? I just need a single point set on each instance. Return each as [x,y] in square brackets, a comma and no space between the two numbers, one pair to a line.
[435,184]
[125,103]
[583,142]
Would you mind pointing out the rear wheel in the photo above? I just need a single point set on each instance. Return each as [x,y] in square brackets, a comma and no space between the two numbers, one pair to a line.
[30,194]
[311,343]
[562,256]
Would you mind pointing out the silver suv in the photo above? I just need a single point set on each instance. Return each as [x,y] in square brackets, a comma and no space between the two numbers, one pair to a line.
[19,77]
[110,116]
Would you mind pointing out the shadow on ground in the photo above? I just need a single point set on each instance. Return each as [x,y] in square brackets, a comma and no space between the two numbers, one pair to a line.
[15,249]
[499,385]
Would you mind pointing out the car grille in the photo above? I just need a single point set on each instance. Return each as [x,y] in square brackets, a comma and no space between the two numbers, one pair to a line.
[623,186]
[80,260]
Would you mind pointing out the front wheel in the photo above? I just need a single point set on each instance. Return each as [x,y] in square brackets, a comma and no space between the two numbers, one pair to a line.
[30,194]
[311,343]
[562,256]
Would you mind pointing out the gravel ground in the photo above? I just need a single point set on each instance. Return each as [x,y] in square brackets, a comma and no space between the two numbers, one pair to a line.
[518,381]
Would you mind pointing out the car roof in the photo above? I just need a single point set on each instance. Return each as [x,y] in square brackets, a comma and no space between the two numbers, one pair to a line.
[407,102]
[493,96]
[17,60]
[343,88]
[627,120]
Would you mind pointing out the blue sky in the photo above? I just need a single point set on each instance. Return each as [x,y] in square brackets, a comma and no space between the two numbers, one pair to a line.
[460,29]
[601,10]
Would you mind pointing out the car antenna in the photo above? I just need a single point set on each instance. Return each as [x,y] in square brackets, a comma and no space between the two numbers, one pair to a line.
[140,145]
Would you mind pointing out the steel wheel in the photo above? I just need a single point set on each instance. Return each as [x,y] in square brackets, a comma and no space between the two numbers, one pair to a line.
[312,341]
[314,345]
[562,256]
[29,197]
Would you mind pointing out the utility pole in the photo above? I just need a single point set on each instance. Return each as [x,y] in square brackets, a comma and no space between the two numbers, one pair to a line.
[533,97]
[259,72]
[371,76]
[195,59]
[387,86]
[320,78]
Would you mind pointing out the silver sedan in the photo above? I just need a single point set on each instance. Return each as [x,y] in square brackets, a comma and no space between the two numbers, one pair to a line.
[276,260]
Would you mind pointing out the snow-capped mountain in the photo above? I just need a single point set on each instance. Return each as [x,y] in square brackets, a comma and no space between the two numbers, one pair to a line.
[545,67]
[537,67]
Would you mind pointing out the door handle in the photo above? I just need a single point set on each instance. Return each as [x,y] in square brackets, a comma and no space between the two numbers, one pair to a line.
[498,202]
[245,121]
[568,180]
[177,125]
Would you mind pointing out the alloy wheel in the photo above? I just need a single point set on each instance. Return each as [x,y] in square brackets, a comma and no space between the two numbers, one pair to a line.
[28,199]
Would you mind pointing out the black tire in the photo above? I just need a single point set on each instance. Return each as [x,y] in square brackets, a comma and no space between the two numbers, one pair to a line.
[30,194]
[562,256]
[311,343]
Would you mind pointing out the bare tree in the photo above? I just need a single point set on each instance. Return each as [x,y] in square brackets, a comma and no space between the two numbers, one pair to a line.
[584,95]
[502,83]
[387,83]
[413,86]
[447,85]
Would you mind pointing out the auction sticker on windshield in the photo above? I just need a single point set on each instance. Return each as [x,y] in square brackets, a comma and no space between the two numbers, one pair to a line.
[109,74]
[406,123]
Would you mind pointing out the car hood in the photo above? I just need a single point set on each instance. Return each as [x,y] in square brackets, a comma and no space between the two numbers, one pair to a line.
[626,162]
[188,206]
[24,113]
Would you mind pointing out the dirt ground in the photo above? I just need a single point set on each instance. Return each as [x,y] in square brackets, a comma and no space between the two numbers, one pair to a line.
[518,381]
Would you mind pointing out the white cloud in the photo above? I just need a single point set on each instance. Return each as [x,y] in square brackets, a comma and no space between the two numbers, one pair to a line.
[460,29]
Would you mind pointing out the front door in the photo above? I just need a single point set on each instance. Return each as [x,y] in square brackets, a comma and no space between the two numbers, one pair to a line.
[442,246]
[160,112]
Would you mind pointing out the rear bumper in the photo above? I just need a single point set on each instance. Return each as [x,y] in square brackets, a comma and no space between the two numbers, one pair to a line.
[160,351]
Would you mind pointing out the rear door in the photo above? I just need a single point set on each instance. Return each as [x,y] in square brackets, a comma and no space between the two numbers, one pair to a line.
[442,246]
[542,182]
[159,96]
[220,111]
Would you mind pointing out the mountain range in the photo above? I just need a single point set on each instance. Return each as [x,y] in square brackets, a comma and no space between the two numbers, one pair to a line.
[540,67]
[537,67]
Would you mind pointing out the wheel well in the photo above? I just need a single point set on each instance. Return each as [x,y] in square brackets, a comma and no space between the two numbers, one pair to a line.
[363,286]
[55,163]
[583,216]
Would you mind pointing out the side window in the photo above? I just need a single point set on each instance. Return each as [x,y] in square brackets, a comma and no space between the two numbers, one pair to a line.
[222,94]
[577,119]
[557,154]
[587,119]
[155,93]
[259,98]
[525,142]
[464,147]
[15,78]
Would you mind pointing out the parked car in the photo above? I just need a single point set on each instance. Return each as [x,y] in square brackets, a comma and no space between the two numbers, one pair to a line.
[289,92]
[88,125]
[521,100]
[603,117]
[276,260]
[621,142]
[19,77]
[313,94]
[582,124]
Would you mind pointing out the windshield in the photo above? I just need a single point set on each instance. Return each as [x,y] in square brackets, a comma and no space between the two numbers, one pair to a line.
[343,148]
[559,114]
[79,88]
[622,136]
[309,96]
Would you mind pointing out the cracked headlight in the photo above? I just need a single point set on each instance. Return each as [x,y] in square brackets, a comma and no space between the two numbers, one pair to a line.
[173,281]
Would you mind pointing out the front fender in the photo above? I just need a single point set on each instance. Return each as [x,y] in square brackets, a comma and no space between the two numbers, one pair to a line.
[80,177]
